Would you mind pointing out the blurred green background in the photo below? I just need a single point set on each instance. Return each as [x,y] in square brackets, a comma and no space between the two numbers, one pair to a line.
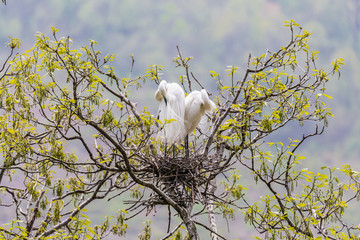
[217,34]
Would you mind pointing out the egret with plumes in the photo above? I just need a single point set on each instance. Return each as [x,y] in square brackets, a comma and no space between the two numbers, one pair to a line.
[196,104]
[172,107]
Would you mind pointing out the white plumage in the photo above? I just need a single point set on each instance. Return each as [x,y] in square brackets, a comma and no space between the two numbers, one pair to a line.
[172,107]
[196,104]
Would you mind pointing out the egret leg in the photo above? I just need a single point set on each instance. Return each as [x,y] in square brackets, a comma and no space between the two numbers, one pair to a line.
[173,148]
[187,146]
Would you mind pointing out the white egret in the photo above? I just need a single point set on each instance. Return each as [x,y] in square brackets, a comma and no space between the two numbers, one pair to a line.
[172,107]
[196,104]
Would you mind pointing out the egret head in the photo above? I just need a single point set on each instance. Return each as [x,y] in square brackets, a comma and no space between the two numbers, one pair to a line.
[208,104]
[204,95]
[163,87]
[160,93]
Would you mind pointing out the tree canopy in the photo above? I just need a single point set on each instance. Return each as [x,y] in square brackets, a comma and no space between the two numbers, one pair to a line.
[72,134]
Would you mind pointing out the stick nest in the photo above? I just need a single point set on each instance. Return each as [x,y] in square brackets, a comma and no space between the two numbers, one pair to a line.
[185,180]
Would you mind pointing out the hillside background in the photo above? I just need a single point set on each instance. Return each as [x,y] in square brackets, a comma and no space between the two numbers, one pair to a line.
[217,34]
